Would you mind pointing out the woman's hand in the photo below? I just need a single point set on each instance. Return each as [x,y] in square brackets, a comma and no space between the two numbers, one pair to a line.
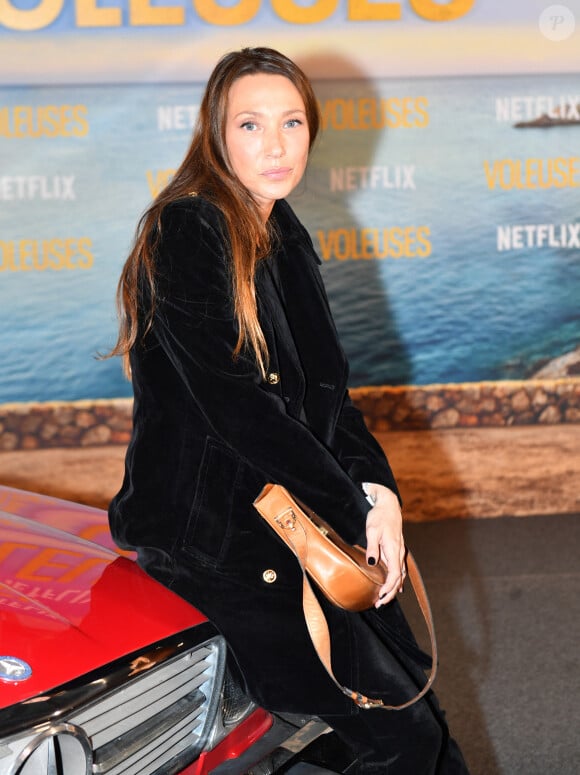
[384,530]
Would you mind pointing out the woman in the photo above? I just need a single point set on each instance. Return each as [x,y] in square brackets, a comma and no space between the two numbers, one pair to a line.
[239,380]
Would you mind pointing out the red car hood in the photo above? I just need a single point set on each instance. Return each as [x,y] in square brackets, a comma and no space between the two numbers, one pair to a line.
[69,605]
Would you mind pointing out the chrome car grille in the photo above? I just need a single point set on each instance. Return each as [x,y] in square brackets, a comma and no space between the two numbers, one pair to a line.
[153,717]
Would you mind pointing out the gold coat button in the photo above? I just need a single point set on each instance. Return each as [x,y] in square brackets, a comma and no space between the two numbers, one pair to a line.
[269,576]
[273,378]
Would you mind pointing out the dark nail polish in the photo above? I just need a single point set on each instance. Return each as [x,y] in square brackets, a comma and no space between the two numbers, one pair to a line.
[371,561]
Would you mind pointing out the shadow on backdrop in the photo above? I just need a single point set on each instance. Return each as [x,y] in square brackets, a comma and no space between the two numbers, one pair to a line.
[374,345]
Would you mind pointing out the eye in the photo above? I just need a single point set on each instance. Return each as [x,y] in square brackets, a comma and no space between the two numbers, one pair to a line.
[250,126]
[293,122]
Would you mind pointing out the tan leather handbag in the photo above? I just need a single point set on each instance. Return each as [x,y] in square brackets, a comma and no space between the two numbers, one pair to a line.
[341,572]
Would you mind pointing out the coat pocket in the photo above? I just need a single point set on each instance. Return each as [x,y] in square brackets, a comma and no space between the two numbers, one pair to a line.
[206,532]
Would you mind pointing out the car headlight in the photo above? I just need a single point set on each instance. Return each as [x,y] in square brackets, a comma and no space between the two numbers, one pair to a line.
[235,706]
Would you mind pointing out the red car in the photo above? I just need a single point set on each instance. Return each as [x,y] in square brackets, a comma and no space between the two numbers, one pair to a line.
[103,670]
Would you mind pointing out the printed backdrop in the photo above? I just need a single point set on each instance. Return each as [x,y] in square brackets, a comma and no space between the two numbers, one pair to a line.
[442,197]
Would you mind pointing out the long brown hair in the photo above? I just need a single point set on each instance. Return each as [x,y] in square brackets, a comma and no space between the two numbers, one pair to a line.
[206,170]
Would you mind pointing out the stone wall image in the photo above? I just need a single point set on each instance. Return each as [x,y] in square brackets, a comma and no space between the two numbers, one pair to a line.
[483,404]
[65,424]
[498,404]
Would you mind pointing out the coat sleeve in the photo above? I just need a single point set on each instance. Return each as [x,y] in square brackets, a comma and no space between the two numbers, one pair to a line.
[355,446]
[358,450]
[195,325]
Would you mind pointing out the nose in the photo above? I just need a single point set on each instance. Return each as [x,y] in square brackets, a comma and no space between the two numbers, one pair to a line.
[275,144]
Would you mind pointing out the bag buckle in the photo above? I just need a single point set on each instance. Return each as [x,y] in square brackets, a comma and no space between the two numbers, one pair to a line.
[287,520]
[365,702]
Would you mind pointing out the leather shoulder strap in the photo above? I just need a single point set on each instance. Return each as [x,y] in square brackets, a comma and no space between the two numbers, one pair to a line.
[320,636]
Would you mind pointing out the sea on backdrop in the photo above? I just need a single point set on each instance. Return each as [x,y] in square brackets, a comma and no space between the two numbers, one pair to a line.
[448,238]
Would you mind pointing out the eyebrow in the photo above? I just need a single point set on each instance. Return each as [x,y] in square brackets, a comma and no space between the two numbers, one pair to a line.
[259,113]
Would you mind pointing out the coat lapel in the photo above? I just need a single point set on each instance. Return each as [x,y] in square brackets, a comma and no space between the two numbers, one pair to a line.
[281,347]
[311,326]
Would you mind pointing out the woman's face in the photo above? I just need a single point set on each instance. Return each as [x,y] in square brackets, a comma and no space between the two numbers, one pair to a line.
[267,136]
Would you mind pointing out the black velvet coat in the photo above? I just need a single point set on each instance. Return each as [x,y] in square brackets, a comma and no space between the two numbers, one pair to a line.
[209,432]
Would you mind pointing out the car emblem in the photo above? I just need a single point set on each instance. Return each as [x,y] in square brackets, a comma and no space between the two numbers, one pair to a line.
[63,749]
[14,669]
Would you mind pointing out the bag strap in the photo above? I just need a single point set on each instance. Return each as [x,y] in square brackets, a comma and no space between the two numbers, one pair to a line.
[320,635]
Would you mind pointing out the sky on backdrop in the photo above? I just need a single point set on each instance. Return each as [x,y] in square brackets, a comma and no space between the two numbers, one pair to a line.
[492,37]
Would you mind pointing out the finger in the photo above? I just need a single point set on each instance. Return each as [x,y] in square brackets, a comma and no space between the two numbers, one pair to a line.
[394,558]
[392,585]
[373,550]
[386,594]
[403,577]
[403,566]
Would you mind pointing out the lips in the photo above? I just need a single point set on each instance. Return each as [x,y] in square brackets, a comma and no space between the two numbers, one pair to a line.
[276,173]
